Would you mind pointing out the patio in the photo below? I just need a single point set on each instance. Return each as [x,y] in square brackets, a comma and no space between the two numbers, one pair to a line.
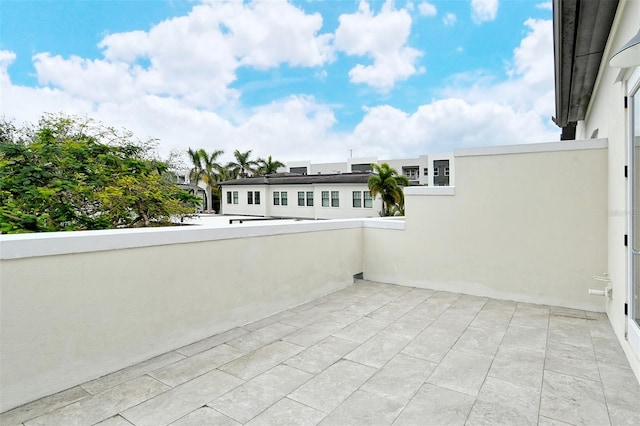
[373,354]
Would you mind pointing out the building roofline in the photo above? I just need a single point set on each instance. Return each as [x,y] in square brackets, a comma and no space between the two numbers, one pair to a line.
[296,179]
[580,32]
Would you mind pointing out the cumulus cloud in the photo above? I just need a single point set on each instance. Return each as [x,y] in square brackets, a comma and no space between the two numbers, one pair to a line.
[194,57]
[546,5]
[434,126]
[483,10]
[129,87]
[449,19]
[427,9]
[383,38]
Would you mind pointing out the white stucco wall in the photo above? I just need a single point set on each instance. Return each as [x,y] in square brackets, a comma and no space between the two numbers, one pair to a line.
[526,226]
[606,113]
[83,304]
[293,210]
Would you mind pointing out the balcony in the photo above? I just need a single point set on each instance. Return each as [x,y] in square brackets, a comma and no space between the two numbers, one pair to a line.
[485,317]
[372,354]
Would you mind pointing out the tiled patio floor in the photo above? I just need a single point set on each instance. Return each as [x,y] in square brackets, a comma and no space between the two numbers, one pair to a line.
[373,354]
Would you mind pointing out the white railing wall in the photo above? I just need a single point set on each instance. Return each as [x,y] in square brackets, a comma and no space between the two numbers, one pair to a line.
[76,306]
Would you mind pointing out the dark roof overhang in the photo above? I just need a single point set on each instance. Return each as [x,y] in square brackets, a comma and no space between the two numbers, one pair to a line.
[580,32]
[296,179]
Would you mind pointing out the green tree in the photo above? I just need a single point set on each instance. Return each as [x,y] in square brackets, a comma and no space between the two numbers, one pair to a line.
[205,169]
[243,166]
[268,166]
[387,183]
[68,174]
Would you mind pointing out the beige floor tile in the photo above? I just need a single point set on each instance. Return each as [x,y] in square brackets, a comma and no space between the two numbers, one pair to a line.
[321,355]
[522,367]
[315,332]
[363,409]
[189,368]
[110,380]
[432,344]
[480,340]
[620,390]
[573,400]
[205,416]
[251,398]
[462,372]
[328,389]
[362,330]
[378,350]
[114,421]
[261,360]
[571,360]
[104,405]
[503,403]
[262,336]
[180,401]
[400,378]
[212,341]
[287,412]
[42,406]
[436,406]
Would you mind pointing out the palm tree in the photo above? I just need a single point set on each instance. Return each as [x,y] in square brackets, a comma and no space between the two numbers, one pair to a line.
[204,169]
[268,166]
[197,171]
[243,166]
[210,173]
[386,181]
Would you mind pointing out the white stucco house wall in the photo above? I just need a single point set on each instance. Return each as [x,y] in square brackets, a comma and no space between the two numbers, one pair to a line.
[282,195]
[595,99]
[420,170]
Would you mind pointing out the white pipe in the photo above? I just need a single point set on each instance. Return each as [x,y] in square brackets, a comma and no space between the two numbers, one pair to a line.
[593,292]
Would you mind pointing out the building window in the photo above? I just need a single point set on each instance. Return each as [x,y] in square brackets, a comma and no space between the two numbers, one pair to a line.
[412,173]
[228,197]
[250,197]
[256,197]
[426,171]
[310,198]
[276,198]
[325,198]
[235,197]
[357,199]
[446,171]
[301,198]
[436,171]
[368,201]
[283,198]
[335,199]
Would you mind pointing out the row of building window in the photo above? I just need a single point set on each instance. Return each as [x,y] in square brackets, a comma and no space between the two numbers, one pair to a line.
[305,198]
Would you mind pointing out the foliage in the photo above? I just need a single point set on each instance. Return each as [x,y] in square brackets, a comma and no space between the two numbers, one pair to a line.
[243,166]
[268,166]
[387,183]
[70,174]
[206,169]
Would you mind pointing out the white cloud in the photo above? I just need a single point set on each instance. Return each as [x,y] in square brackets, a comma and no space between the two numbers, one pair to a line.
[475,109]
[194,57]
[382,37]
[427,9]
[449,19]
[546,5]
[483,10]
[434,127]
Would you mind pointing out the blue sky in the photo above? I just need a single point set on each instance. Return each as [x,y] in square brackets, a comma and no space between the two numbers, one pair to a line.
[303,80]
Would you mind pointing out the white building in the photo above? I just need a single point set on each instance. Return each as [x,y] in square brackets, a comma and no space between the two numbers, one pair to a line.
[431,170]
[326,196]
[598,96]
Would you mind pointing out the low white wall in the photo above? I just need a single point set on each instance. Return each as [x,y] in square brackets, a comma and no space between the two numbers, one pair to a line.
[75,306]
[525,222]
